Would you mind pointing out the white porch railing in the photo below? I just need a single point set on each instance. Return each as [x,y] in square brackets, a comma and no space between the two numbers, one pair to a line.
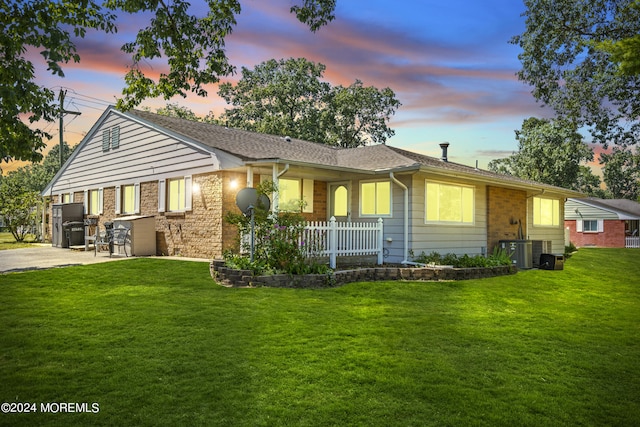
[332,238]
[632,242]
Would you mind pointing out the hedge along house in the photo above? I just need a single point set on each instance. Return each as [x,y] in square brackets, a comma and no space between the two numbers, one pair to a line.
[187,174]
[607,223]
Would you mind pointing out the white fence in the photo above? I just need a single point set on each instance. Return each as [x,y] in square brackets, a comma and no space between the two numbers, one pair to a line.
[632,242]
[332,238]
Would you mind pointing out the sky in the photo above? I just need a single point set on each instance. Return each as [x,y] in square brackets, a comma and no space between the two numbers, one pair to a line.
[449,63]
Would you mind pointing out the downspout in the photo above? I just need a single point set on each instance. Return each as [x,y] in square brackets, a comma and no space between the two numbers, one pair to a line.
[276,178]
[406,216]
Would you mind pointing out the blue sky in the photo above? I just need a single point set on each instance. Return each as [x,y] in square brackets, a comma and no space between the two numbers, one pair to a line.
[450,64]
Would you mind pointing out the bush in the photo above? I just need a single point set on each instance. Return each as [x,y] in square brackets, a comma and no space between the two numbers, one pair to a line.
[499,257]
[278,245]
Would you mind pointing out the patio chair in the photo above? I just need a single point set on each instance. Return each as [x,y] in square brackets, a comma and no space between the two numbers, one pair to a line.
[121,238]
[103,239]
[111,238]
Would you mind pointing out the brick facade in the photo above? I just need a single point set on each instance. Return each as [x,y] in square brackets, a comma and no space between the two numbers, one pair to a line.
[505,207]
[201,232]
[613,235]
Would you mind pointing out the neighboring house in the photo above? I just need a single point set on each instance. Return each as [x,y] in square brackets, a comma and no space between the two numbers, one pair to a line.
[607,223]
[187,174]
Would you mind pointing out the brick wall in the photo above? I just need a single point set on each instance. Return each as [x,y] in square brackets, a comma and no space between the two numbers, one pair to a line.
[612,236]
[504,208]
[201,232]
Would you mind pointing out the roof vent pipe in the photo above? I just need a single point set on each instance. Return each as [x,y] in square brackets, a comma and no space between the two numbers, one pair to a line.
[444,147]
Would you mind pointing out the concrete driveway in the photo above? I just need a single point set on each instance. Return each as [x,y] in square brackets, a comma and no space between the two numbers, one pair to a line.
[46,256]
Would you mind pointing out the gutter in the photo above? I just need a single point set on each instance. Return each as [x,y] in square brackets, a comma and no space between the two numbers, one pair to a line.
[406,216]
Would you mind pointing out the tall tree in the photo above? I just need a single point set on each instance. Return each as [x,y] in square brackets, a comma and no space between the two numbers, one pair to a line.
[626,50]
[621,173]
[49,26]
[176,110]
[20,191]
[564,61]
[288,98]
[193,46]
[551,152]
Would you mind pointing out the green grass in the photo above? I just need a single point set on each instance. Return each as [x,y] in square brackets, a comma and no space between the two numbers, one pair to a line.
[156,342]
[7,241]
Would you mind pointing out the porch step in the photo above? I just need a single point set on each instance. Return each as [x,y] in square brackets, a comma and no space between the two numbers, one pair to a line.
[79,248]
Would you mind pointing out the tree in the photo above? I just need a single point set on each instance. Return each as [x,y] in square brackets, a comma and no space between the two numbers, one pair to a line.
[193,46]
[358,115]
[175,110]
[288,98]
[564,61]
[550,152]
[47,25]
[626,51]
[18,204]
[621,173]
[20,191]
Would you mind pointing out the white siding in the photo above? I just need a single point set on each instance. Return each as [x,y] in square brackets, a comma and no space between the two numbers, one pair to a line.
[586,212]
[553,233]
[144,154]
[458,239]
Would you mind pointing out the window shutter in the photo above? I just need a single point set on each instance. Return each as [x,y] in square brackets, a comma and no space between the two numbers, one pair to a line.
[115,137]
[118,199]
[600,226]
[136,202]
[71,197]
[105,140]
[187,193]
[162,194]
[100,201]
[86,202]
[579,226]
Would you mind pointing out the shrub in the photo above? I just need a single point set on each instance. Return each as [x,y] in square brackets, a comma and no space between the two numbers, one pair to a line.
[499,257]
[278,244]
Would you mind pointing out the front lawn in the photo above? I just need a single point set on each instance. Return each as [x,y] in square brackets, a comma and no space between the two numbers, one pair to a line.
[7,241]
[156,342]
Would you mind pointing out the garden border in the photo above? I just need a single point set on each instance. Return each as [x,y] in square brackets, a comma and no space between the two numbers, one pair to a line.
[244,278]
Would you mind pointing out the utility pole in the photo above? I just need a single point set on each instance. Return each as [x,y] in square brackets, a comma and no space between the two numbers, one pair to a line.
[62,113]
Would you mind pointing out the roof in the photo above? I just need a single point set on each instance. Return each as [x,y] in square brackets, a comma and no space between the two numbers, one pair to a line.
[626,209]
[252,146]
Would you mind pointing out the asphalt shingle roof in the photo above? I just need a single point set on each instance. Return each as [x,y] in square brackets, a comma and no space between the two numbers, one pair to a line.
[256,146]
[625,206]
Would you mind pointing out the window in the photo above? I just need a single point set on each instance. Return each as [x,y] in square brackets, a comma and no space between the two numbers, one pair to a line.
[93,200]
[341,201]
[128,199]
[590,226]
[66,198]
[546,212]
[375,198]
[449,203]
[295,192]
[175,194]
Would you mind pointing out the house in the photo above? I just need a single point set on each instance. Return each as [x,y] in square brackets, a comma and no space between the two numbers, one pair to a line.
[186,175]
[607,223]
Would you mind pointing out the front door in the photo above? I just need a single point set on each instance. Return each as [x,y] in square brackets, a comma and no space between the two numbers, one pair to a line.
[339,197]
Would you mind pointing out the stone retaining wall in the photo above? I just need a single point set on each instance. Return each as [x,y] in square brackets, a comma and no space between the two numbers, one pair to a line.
[245,278]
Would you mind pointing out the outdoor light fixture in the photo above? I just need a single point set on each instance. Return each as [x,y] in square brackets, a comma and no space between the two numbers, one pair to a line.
[196,188]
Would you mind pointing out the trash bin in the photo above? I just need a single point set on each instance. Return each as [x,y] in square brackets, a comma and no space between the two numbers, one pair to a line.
[551,262]
[74,232]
